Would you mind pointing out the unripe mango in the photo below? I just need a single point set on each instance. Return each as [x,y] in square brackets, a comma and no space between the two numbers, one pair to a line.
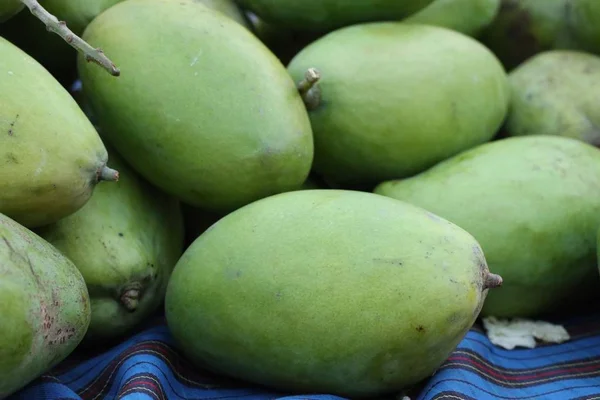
[44,306]
[51,156]
[396,98]
[125,242]
[329,291]
[555,93]
[533,202]
[326,15]
[215,120]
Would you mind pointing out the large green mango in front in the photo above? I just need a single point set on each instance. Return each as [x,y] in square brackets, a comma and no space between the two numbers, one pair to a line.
[397,98]
[125,241]
[533,202]
[51,156]
[466,16]
[556,93]
[329,291]
[44,306]
[202,109]
[326,15]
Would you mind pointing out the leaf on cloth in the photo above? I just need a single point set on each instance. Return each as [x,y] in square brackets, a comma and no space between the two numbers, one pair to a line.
[522,332]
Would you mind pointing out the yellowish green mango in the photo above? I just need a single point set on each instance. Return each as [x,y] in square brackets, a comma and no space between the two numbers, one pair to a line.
[327,15]
[327,291]
[51,157]
[44,304]
[533,203]
[556,93]
[215,120]
[125,242]
[466,16]
[396,98]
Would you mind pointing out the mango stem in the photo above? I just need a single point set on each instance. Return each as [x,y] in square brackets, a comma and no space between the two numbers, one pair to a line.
[492,281]
[108,174]
[130,299]
[60,28]
[309,89]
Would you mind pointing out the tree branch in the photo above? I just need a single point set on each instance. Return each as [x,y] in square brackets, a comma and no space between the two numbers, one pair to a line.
[60,28]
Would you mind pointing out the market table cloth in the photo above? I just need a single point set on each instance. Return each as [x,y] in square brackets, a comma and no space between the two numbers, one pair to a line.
[147,366]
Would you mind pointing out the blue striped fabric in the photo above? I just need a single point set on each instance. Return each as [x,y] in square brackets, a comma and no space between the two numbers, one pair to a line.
[147,367]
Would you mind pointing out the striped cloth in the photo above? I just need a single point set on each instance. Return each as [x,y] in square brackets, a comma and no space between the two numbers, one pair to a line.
[147,367]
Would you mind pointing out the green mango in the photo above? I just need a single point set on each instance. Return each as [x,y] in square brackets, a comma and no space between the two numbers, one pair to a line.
[465,16]
[556,93]
[524,28]
[44,304]
[51,157]
[533,202]
[327,15]
[386,112]
[215,120]
[330,291]
[125,241]
[10,8]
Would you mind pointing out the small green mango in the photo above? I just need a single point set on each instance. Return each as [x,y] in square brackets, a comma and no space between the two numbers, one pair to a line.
[327,15]
[533,202]
[44,305]
[51,157]
[125,241]
[556,93]
[215,120]
[10,8]
[465,16]
[330,291]
[385,110]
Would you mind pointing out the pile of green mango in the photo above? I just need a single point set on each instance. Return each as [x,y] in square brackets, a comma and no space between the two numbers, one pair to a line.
[319,196]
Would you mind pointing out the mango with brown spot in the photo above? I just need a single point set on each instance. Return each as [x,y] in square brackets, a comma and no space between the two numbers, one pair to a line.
[44,304]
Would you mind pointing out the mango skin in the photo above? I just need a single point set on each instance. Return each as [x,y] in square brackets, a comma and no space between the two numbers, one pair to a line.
[50,153]
[128,236]
[216,121]
[385,113]
[466,16]
[556,93]
[329,291]
[327,15]
[510,195]
[44,304]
